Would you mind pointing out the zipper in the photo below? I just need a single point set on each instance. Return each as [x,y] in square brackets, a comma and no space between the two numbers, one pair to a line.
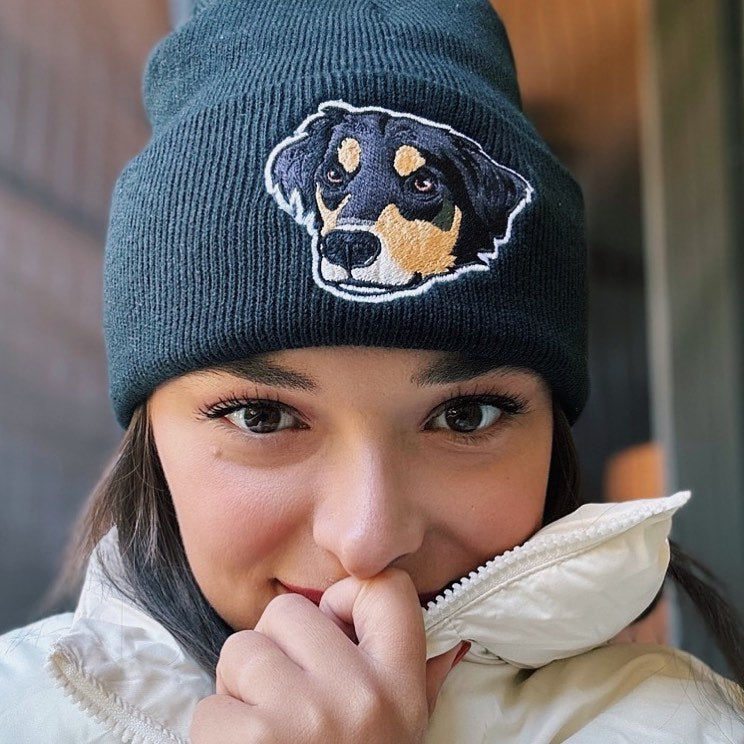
[123,721]
[544,548]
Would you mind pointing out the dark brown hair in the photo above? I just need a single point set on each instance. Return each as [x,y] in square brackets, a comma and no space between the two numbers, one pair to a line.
[133,497]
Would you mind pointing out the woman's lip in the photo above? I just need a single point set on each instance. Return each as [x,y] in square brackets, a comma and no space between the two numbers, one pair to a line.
[313,595]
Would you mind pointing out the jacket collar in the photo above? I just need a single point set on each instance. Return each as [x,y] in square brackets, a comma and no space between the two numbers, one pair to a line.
[571,587]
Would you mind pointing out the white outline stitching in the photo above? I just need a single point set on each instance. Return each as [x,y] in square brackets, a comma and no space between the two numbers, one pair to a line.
[294,207]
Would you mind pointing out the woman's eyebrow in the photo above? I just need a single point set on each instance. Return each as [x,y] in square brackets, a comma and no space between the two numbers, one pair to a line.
[447,369]
[265,372]
[457,368]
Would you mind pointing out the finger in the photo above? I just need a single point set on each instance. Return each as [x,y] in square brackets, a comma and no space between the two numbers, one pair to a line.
[387,619]
[311,638]
[252,667]
[345,624]
[437,670]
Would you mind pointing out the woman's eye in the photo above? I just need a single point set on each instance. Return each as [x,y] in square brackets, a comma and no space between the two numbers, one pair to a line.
[466,417]
[262,418]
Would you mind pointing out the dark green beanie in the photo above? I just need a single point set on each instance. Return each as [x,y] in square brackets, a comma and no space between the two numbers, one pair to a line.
[341,172]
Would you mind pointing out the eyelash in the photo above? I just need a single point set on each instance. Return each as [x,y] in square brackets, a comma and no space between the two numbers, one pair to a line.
[510,406]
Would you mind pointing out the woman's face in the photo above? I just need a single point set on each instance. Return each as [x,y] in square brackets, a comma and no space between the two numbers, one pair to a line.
[295,469]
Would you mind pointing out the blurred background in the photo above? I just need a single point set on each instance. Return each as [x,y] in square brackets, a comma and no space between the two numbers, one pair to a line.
[643,99]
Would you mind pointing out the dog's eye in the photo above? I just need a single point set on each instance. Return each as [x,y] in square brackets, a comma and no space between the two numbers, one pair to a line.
[333,175]
[424,184]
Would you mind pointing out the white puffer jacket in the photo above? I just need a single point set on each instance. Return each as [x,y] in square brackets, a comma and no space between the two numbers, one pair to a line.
[540,669]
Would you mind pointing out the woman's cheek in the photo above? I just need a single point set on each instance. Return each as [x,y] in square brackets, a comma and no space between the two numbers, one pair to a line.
[501,520]
[233,513]
[231,517]
[509,498]
[237,530]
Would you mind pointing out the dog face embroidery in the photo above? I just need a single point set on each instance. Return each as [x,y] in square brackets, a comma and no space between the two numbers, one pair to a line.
[393,202]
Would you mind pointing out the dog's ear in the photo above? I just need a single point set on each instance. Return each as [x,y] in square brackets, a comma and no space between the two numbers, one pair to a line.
[291,170]
[493,190]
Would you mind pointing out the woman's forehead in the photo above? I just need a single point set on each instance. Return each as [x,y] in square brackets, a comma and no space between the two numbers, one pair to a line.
[306,369]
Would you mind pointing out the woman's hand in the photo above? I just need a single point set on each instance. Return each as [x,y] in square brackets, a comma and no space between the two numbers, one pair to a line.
[300,677]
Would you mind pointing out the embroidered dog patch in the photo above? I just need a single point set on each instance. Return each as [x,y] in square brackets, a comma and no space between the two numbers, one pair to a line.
[393,202]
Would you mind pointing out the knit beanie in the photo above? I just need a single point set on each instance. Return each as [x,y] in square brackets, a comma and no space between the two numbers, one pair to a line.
[341,172]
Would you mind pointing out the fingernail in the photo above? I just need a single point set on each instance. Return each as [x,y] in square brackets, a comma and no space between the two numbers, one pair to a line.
[464,648]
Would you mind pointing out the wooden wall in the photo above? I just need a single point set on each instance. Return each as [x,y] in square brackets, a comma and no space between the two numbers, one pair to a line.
[70,117]
[578,63]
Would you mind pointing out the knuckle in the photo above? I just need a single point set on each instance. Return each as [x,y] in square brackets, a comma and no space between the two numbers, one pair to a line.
[240,646]
[316,718]
[237,644]
[369,706]
[204,713]
[201,711]
[281,607]
[401,579]
[213,713]
[374,709]
[396,579]
[261,731]
[288,603]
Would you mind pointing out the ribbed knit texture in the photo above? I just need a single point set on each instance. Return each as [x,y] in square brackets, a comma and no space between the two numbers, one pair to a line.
[202,266]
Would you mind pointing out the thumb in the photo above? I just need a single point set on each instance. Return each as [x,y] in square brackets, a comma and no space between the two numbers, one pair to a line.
[437,669]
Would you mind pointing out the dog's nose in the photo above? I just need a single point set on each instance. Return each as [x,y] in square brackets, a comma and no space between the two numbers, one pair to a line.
[351,248]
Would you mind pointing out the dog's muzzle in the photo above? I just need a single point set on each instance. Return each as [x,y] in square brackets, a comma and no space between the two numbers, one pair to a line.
[358,262]
[351,249]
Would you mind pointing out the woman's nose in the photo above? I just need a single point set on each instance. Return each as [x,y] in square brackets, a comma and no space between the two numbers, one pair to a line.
[367,513]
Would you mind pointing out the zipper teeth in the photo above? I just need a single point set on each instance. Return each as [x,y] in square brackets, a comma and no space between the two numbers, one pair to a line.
[541,548]
[124,721]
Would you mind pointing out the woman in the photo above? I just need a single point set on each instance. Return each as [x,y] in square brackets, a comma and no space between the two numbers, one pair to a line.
[345,318]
